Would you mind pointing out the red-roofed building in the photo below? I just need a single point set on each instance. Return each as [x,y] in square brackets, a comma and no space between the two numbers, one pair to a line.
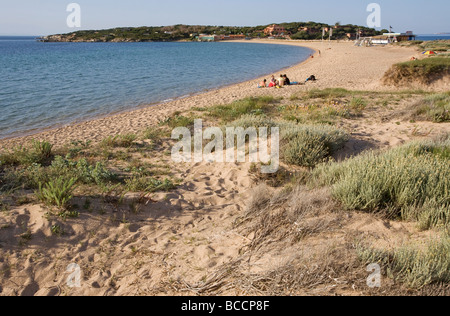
[275,30]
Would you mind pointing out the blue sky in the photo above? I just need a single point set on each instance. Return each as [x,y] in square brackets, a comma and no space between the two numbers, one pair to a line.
[43,17]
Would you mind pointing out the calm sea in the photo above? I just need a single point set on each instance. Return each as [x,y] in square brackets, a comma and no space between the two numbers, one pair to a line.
[52,84]
[432,37]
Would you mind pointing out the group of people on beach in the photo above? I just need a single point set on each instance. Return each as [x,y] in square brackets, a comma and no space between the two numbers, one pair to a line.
[281,81]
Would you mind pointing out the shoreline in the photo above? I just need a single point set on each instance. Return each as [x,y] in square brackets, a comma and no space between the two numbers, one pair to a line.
[29,133]
[138,119]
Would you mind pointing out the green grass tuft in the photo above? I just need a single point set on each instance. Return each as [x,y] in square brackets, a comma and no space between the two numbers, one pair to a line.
[56,192]
[248,106]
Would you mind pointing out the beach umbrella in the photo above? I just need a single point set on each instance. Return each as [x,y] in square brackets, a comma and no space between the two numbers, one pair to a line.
[429,52]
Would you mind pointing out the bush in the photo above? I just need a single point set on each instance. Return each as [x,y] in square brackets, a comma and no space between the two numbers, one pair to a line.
[38,153]
[412,181]
[302,145]
[435,108]
[308,145]
[81,170]
[306,150]
[415,265]
[56,192]
[43,150]
[30,177]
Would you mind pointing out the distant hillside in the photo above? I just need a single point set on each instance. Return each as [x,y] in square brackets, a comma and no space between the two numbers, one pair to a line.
[296,30]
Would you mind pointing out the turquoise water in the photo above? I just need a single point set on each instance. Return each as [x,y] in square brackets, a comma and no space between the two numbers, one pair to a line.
[52,84]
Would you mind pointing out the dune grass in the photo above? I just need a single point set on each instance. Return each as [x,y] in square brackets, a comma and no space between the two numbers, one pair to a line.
[411,182]
[438,46]
[303,145]
[248,106]
[307,145]
[435,108]
[416,265]
[37,152]
[327,93]
[423,71]
[125,141]
[57,192]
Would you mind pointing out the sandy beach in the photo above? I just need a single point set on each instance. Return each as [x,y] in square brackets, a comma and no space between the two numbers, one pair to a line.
[199,239]
[340,64]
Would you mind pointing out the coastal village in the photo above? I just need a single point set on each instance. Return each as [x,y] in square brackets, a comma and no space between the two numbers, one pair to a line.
[282,31]
[275,31]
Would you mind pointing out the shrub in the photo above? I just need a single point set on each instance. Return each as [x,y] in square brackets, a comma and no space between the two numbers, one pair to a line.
[415,265]
[412,181]
[56,192]
[38,152]
[81,170]
[308,145]
[435,108]
[305,150]
[43,150]
[302,145]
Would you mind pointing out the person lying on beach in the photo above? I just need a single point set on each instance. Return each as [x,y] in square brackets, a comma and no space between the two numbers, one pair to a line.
[263,84]
[311,78]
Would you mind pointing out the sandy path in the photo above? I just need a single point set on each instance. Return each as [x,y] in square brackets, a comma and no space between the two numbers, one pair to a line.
[338,65]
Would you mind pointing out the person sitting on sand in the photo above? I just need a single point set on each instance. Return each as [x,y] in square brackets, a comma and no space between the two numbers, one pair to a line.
[263,84]
[287,81]
[281,81]
[273,82]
